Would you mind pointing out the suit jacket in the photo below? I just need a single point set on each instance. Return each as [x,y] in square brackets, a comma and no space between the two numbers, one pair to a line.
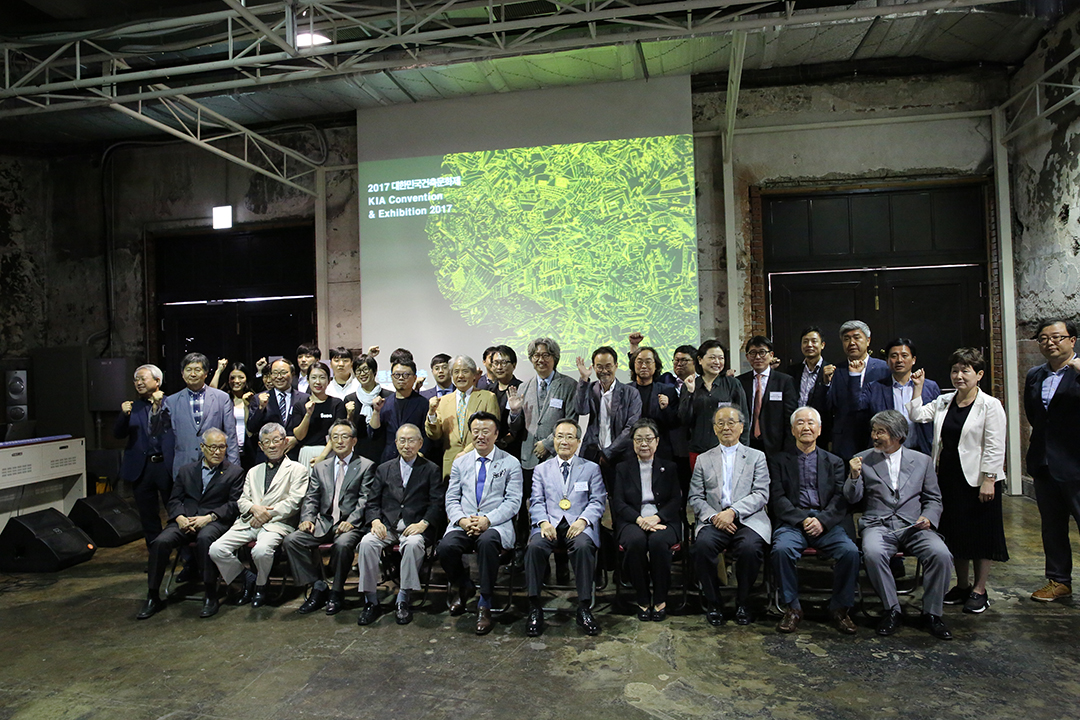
[587,495]
[1054,429]
[678,434]
[423,499]
[285,495]
[749,489]
[626,493]
[982,438]
[428,393]
[220,497]
[784,489]
[395,413]
[878,396]
[917,491]
[625,411]
[369,442]
[318,504]
[272,413]
[775,417]
[145,437]
[445,427]
[217,412]
[501,498]
[667,419]
[538,423]
[851,426]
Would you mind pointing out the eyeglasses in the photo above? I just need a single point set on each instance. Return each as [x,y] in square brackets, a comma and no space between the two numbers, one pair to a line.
[272,441]
[409,441]
[757,353]
[280,373]
[727,423]
[401,376]
[542,356]
[500,363]
[214,448]
[341,437]
[1056,339]
[566,436]
[645,440]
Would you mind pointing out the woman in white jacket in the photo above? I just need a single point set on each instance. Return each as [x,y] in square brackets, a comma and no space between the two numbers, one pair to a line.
[969,453]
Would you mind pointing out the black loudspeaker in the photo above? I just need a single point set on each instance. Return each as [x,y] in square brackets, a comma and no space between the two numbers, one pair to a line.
[15,396]
[107,519]
[43,541]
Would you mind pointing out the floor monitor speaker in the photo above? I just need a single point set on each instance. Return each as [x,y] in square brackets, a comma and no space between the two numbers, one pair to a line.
[43,541]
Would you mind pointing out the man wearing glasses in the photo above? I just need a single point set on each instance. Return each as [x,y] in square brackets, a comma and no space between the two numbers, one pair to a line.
[332,512]
[268,505]
[1052,406]
[728,492]
[281,405]
[772,397]
[404,406]
[202,506]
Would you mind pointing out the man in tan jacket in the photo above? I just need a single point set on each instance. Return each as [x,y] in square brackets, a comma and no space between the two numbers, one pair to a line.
[448,416]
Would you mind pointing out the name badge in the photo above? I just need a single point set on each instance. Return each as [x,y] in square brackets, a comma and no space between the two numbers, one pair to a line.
[775,396]
[581,486]
[556,403]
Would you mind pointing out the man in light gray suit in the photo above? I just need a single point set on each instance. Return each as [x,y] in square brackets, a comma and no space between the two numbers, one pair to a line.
[482,498]
[729,492]
[195,409]
[903,505]
[566,505]
[332,512]
[613,408]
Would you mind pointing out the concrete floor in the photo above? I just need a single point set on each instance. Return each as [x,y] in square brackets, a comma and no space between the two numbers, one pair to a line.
[71,648]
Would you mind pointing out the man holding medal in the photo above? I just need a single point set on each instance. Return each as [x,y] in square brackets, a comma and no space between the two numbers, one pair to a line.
[565,508]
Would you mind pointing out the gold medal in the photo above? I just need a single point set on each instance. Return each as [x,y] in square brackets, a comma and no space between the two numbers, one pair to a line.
[564,504]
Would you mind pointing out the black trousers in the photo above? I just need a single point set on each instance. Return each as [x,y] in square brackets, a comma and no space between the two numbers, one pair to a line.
[151,492]
[582,552]
[302,549]
[171,538]
[647,555]
[1057,501]
[487,546]
[749,550]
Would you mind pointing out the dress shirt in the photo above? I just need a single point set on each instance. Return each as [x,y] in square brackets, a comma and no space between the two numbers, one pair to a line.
[861,373]
[440,390]
[893,462]
[302,384]
[729,473]
[902,396]
[406,470]
[808,490]
[207,474]
[1053,379]
[195,399]
[605,414]
[807,380]
[648,497]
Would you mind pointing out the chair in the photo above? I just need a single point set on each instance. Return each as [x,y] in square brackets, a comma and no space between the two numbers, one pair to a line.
[506,559]
[621,585]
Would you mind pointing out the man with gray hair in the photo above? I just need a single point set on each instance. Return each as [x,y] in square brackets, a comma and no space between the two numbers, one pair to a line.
[147,464]
[269,506]
[448,416]
[903,505]
[849,422]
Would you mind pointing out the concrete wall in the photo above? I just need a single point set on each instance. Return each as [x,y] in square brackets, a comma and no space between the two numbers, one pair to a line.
[24,230]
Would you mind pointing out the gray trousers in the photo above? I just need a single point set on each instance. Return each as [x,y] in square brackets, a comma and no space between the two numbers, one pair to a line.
[412,557]
[223,552]
[879,544]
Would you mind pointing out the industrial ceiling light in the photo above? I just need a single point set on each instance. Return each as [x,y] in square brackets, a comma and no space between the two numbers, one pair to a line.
[223,217]
[310,39]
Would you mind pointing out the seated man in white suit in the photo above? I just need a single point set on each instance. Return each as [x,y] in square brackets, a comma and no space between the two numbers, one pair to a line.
[482,498]
[565,507]
[269,509]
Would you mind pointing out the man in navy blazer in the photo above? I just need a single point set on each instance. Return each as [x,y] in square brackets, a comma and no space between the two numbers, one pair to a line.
[281,405]
[894,391]
[196,409]
[565,508]
[147,464]
[202,506]
[482,498]
[613,408]
[850,430]
[772,397]
[812,376]
[1052,406]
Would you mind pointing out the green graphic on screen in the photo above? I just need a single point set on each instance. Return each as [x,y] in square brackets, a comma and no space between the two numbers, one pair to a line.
[586,242]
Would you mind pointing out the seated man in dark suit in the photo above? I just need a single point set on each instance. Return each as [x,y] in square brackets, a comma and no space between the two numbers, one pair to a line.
[808,508]
[332,512]
[566,505]
[201,508]
[148,461]
[404,506]
[772,398]
[903,504]
[894,391]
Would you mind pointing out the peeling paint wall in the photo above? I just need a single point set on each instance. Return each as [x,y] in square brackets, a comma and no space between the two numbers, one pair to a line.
[23,233]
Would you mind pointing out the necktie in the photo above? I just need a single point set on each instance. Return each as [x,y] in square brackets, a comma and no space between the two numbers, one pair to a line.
[462,403]
[566,477]
[283,405]
[757,405]
[481,477]
[542,396]
[336,511]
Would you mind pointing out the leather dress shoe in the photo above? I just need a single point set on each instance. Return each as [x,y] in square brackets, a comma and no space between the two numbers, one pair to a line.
[587,622]
[460,599]
[658,614]
[484,623]
[937,626]
[188,575]
[315,601]
[843,621]
[210,606]
[403,613]
[534,627]
[743,616]
[644,615]
[153,604]
[260,596]
[369,614]
[790,622]
[890,623]
[714,615]
[336,602]
[249,590]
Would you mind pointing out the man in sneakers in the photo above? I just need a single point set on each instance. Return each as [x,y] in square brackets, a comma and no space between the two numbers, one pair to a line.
[1052,405]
